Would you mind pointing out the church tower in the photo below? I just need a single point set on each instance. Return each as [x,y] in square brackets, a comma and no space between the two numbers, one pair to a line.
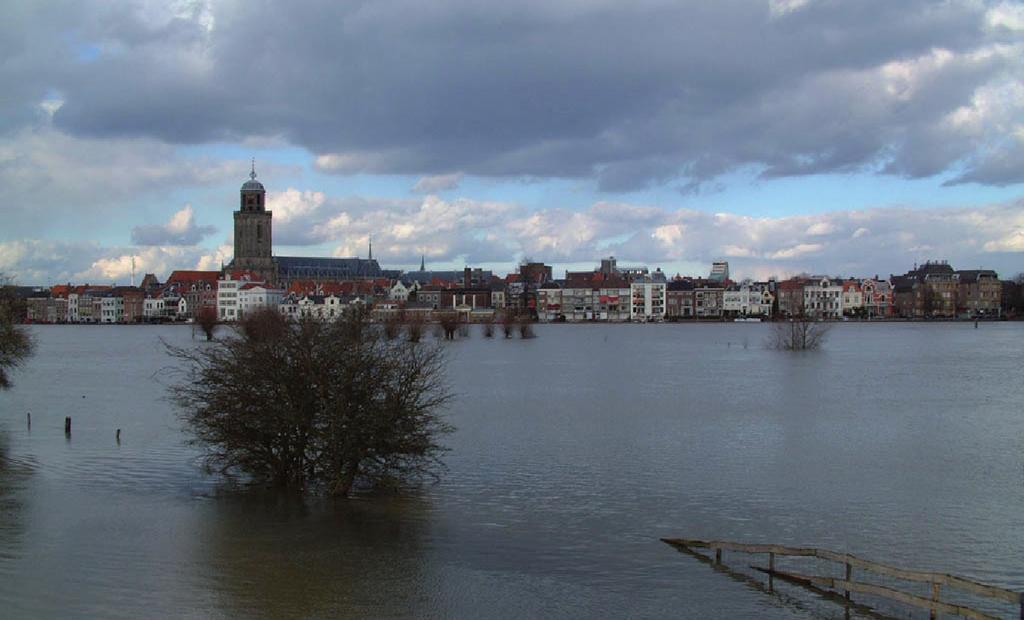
[253,230]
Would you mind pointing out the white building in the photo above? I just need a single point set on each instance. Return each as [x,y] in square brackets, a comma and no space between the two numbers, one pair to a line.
[227,298]
[153,308]
[112,310]
[752,299]
[314,307]
[823,298]
[400,290]
[549,302]
[73,316]
[252,297]
[238,297]
[647,300]
[853,298]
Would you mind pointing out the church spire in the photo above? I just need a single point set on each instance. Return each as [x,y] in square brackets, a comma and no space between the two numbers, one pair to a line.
[370,253]
[423,262]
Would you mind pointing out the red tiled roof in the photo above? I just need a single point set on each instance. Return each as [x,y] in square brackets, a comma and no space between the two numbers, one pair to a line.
[181,276]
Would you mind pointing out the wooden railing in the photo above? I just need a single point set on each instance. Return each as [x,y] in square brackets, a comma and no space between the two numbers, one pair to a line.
[848,584]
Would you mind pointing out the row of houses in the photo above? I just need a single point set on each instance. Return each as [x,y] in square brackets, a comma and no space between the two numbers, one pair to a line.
[608,293]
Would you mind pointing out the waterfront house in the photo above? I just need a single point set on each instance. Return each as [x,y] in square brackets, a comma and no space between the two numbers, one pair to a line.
[853,298]
[791,297]
[499,299]
[747,299]
[979,292]
[549,302]
[877,296]
[647,300]
[153,308]
[708,299]
[613,299]
[823,298]
[679,298]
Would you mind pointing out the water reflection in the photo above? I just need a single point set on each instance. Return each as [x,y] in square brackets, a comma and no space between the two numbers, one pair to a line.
[13,477]
[573,453]
[274,556]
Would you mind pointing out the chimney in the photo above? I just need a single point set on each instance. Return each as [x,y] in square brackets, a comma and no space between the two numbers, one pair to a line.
[467,278]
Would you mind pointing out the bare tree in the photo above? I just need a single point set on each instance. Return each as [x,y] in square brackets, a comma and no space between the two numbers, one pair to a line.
[206,319]
[507,324]
[798,334]
[414,327]
[449,322]
[315,405]
[392,327]
[525,327]
[15,342]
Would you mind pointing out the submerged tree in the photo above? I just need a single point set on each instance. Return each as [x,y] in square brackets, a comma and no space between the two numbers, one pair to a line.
[315,405]
[525,327]
[206,319]
[15,342]
[798,334]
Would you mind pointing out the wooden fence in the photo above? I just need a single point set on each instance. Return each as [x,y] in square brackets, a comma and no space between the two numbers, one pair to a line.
[937,580]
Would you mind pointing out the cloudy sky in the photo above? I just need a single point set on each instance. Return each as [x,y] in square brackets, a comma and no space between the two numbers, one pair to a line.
[852,137]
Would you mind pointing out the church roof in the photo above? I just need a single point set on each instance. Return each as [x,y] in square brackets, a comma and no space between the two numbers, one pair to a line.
[291,267]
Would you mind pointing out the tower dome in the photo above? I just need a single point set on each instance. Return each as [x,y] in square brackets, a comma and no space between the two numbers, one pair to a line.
[252,194]
[252,185]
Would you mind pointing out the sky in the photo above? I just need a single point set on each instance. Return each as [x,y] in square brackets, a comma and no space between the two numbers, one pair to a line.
[785,136]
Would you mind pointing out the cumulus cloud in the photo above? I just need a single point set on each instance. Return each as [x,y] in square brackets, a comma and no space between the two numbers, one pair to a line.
[438,183]
[853,242]
[39,262]
[628,94]
[465,231]
[180,230]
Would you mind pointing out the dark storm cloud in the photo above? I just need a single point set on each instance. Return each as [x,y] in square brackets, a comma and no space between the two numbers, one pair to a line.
[627,93]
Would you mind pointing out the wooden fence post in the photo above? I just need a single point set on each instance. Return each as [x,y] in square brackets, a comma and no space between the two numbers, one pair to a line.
[849,577]
[936,595]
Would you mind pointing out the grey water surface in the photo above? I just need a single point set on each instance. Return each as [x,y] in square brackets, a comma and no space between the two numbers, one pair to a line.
[574,453]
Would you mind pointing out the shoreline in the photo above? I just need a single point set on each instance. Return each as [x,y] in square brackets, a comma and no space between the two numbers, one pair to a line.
[659,322]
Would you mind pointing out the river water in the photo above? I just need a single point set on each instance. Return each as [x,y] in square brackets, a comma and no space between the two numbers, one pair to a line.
[574,453]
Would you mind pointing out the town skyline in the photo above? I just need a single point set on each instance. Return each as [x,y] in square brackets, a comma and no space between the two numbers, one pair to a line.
[576,132]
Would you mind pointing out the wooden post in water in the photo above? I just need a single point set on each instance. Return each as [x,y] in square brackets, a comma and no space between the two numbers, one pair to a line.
[936,595]
[1022,606]
[28,417]
[118,436]
[771,571]
[67,425]
[849,577]
[718,555]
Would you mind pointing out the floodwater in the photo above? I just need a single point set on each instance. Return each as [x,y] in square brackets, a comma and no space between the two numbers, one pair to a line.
[574,453]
